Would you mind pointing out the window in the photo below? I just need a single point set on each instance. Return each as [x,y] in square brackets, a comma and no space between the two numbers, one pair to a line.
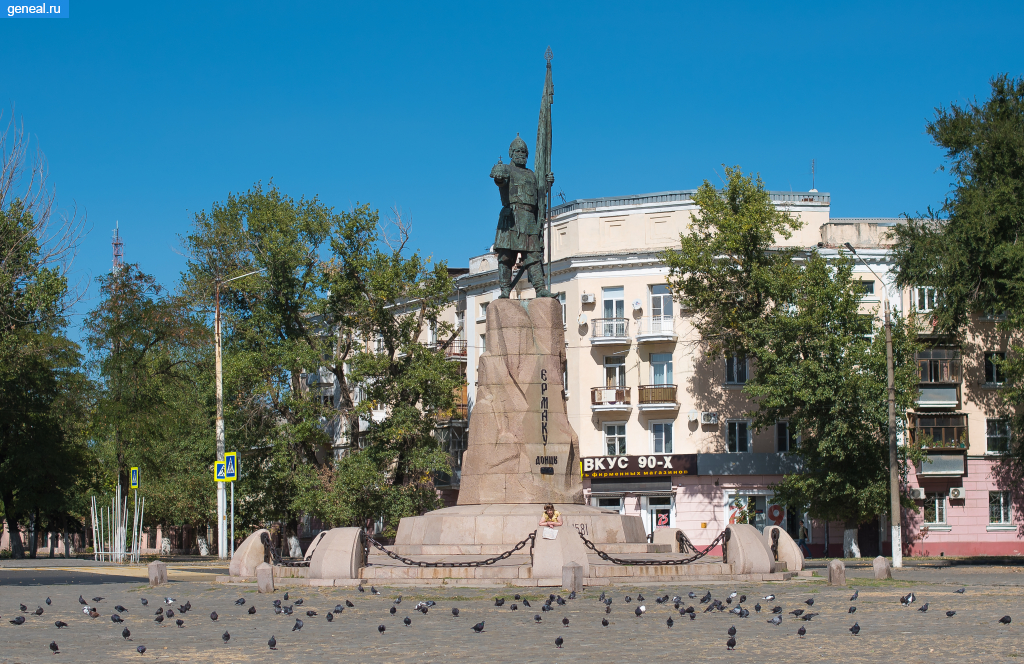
[614,504]
[736,369]
[661,368]
[561,301]
[999,507]
[483,343]
[614,302]
[739,436]
[615,438]
[432,332]
[993,373]
[997,435]
[784,438]
[460,322]
[935,509]
[661,437]
[483,311]
[614,371]
[867,288]
[924,298]
[661,308]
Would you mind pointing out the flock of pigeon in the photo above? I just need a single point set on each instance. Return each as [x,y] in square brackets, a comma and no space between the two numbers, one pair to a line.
[733,604]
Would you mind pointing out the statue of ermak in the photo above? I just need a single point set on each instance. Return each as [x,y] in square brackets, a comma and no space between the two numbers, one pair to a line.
[519,224]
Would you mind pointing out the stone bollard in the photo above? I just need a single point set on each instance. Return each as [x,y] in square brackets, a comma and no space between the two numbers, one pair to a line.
[836,573]
[572,577]
[882,568]
[265,578]
[157,573]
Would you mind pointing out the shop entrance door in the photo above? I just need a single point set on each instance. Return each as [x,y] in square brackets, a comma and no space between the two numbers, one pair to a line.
[658,512]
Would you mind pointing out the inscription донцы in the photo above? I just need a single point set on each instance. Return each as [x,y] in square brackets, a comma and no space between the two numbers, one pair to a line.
[547,461]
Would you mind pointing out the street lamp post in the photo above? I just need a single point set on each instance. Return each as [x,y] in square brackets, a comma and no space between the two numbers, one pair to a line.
[894,472]
[222,524]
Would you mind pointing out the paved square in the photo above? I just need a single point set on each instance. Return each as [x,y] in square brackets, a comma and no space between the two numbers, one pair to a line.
[889,632]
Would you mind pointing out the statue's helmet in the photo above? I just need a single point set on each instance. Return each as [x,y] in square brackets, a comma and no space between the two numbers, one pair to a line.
[518,144]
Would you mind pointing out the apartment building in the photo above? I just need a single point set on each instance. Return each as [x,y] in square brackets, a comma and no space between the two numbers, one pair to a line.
[663,428]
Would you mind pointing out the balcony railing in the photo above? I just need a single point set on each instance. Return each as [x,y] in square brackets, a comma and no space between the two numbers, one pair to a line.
[939,432]
[459,411]
[609,397]
[456,350]
[655,327]
[938,370]
[657,394]
[610,330]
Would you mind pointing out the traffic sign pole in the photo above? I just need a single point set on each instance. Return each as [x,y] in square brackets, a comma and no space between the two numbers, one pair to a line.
[232,519]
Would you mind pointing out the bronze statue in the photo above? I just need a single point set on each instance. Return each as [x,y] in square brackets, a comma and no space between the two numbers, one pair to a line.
[525,197]
[519,224]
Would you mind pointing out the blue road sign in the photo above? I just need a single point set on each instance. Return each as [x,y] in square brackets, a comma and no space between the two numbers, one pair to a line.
[220,471]
[231,467]
[135,477]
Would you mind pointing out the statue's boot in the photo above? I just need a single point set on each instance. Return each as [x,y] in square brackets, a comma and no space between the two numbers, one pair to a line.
[504,280]
[537,279]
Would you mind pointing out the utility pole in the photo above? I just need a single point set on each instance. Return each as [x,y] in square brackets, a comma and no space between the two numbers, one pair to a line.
[222,522]
[894,471]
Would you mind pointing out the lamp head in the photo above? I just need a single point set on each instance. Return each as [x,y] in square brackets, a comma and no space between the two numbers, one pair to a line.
[850,247]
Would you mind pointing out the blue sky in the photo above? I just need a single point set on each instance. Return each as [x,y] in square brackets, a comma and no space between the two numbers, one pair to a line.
[148,112]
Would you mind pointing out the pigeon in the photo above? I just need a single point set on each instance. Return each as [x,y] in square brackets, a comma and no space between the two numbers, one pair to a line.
[48,602]
[125,633]
[298,625]
[499,602]
[299,602]
[145,602]
[159,619]
[38,611]
[407,621]
[225,636]
[808,616]
[526,603]
[517,597]
[213,616]
[54,647]
[732,631]
[338,608]
[60,623]
[116,619]
[187,607]
[399,600]
[640,597]
[455,612]
[310,614]
[776,609]
[607,609]
[141,650]
[1005,620]
[170,613]
[950,614]
[693,616]
[731,643]
[960,591]
[856,594]
[809,602]
[757,607]
[23,608]
[272,643]
[20,620]
[330,617]
[98,599]
[855,630]
[853,609]
[252,610]
[537,618]
[180,623]
[349,604]
[604,622]
[706,598]
[769,598]
[286,594]
[565,622]
[733,594]
[670,622]
[924,608]
[691,595]
[801,631]
[94,613]
[558,642]
[777,620]
[638,612]
[546,607]
[380,628]
[393,611]
[82,601]
[479,627]
[240,601]
[514,607]
[908,600]
[797,612]
[118,608]
[374,591]
[560,601]
[169,600]
[572,595]
[628,599]
[743,598]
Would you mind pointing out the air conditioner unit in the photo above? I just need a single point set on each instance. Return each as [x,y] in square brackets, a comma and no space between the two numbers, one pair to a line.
[957,493]
[709,418]
[588,298]
[917,494]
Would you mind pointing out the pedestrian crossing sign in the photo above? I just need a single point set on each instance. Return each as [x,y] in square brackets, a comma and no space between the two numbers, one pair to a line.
[135,477]
[230,467]
[219,471]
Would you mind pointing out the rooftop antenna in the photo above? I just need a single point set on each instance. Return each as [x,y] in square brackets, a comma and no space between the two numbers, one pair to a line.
[118,247]
[812,176]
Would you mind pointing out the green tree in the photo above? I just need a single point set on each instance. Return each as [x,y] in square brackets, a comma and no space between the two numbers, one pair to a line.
[335,309]
[797,316]
[971,250]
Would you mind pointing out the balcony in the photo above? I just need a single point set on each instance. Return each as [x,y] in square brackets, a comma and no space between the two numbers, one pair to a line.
[939,377]
[653,329]
[608,331]
[657,397]
[456,350]
[611,399]
[939,432]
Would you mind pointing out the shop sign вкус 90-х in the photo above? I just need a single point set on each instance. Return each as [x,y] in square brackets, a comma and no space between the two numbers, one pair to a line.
[651,465]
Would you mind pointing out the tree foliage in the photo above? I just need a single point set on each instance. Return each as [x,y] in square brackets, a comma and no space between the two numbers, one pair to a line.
[797,315]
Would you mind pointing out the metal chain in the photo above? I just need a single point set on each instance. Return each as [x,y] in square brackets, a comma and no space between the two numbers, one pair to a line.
[476,563]
[684,561]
